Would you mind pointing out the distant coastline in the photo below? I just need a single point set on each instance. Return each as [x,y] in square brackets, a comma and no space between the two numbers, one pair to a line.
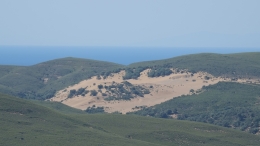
[25,56]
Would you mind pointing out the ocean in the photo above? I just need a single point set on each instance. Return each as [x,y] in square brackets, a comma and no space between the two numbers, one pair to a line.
[25,56]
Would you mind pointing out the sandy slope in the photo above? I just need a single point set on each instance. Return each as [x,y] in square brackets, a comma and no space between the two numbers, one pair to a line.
[164,88]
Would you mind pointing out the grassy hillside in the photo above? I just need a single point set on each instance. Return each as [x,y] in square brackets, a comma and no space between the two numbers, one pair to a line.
[6,69]
[225,104]
[170,132]
[26,123]
[42,80]
[229,65]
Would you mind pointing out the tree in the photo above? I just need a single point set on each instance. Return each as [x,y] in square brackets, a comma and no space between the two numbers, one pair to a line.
[98,77]
[72,93]
[207,78]
[164,115]
[100,86]
[169,112]
[80,91]
[93,93]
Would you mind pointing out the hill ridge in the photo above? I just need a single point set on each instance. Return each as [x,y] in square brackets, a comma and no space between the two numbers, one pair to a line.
[43,80]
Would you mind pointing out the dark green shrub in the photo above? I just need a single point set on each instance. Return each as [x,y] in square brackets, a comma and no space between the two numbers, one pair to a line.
[98,77]
[72,93]
[104,94]
[100,86]
[159,72]
[207,78]
[146,92]
[93,93]
[93,110]
[80,91]
[86,92]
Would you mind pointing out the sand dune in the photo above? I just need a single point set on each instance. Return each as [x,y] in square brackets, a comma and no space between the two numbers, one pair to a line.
[164,89]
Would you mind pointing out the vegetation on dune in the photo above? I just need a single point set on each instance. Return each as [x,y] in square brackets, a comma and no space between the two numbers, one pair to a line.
[93,93]
[116,91]
[225,104]
[159,72]
[133,73]
[80,91]
[28,123]
[124,91]
[94,110]
[105,74]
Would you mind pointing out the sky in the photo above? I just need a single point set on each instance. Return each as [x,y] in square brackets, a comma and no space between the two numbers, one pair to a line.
[130,23]
[125,31]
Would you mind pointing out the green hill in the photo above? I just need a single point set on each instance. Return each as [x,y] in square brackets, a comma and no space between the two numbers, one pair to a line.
[6,69]
[225,104]
[42,80]
[26,123]
[246,65]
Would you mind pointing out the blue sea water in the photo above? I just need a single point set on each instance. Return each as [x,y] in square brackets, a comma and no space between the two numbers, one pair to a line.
[20,55]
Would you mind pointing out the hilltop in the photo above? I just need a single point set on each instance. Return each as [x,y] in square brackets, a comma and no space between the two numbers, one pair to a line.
[42,80]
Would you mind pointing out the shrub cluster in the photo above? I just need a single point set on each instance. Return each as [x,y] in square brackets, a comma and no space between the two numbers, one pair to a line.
[159,72]
[94,109]
[125,91]
[80,91]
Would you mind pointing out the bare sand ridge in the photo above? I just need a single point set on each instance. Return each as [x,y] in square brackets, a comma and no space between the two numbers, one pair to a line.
[163,89]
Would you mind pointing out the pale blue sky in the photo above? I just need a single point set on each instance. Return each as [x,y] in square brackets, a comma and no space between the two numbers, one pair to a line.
[130,23]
